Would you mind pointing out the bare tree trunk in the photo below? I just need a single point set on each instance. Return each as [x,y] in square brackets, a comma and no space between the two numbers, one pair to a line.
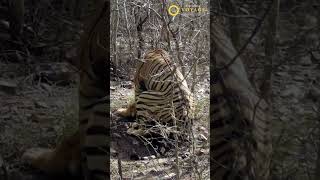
[194,72]
[114,32]
[139,32]
[165,35]
[16,10]
[127,26]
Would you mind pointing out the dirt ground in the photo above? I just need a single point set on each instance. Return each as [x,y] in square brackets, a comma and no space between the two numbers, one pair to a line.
[33,114]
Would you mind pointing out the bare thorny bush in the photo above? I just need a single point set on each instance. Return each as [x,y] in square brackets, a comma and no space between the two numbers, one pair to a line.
[138,26]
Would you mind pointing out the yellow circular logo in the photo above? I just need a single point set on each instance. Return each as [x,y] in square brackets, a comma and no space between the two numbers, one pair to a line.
[173,10]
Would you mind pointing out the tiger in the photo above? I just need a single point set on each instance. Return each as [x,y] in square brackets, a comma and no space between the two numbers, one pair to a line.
[85,154]
[162,98]
[240,140]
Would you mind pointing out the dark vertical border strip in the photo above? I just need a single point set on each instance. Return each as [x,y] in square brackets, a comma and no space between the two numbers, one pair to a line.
[212,81]
[107,82]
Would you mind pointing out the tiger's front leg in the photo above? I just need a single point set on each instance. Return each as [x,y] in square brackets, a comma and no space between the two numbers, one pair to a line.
[129,112]
[63,160]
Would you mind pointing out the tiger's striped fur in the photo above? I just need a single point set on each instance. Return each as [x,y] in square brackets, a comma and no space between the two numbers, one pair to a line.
[87,151]
[162,97]
[240,134]
[93,97]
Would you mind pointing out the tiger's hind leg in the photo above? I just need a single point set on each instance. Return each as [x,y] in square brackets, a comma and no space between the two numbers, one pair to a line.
[153,120]
[64,160]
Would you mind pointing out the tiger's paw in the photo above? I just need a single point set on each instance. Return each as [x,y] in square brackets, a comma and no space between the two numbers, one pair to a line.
[50,161]
[129,112]
[121,112]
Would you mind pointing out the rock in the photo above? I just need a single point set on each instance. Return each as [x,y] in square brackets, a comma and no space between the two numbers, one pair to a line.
[57,73]
[8,87]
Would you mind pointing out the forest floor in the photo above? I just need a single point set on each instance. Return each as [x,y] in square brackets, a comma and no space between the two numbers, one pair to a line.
[33,114]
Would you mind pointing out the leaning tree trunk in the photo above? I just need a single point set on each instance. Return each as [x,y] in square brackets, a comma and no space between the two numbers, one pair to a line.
[241,140]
